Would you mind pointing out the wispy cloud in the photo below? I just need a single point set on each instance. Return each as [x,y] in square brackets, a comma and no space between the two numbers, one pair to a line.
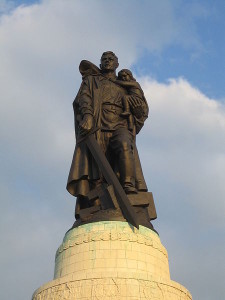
[182,144]
[6,6]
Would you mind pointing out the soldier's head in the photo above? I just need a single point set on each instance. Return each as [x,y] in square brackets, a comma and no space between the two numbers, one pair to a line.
[109,62]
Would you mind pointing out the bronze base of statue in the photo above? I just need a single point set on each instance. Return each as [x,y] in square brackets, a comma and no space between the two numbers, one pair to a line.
[113,215]
[142,203]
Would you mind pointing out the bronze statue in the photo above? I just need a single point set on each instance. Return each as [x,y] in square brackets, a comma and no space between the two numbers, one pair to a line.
[112,110]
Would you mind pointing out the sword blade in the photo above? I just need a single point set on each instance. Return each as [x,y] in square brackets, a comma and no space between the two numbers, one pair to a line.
[111,178]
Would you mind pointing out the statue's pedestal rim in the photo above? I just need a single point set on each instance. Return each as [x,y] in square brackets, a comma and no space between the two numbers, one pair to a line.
[143,284]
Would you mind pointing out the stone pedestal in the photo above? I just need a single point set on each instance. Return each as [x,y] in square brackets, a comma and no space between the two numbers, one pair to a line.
[111,260]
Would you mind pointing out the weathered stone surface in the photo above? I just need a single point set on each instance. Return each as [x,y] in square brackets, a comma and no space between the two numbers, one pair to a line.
[111,260]
[115,286]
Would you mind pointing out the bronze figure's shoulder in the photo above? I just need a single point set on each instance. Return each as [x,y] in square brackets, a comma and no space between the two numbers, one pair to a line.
[87,68]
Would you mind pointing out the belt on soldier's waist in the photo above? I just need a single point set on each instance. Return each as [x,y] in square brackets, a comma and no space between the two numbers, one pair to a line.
[112,106]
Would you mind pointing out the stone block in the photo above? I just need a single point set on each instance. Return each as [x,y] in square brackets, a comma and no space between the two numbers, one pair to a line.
[111,260]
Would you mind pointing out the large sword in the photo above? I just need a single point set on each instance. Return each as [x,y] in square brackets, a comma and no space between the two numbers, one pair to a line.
[111,178]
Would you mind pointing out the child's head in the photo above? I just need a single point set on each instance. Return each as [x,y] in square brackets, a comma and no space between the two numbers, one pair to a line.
[125,75]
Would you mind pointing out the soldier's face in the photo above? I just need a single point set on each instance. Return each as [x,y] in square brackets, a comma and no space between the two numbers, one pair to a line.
[108,63]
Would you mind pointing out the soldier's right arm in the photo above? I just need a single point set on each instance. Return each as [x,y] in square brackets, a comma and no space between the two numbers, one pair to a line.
[84,99]
[84,104]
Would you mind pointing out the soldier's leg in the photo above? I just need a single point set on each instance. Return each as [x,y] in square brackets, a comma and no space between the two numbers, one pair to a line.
[121,143]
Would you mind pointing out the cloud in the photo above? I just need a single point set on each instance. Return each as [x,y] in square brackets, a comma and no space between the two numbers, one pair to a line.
[181,145]
[183,149]
[188,133]
[5,6]
[41,42]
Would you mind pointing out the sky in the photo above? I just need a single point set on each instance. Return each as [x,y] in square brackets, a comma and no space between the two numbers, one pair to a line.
[175,50]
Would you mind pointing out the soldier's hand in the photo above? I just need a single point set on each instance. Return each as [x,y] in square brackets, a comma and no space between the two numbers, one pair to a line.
[136,107]
[86,124]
